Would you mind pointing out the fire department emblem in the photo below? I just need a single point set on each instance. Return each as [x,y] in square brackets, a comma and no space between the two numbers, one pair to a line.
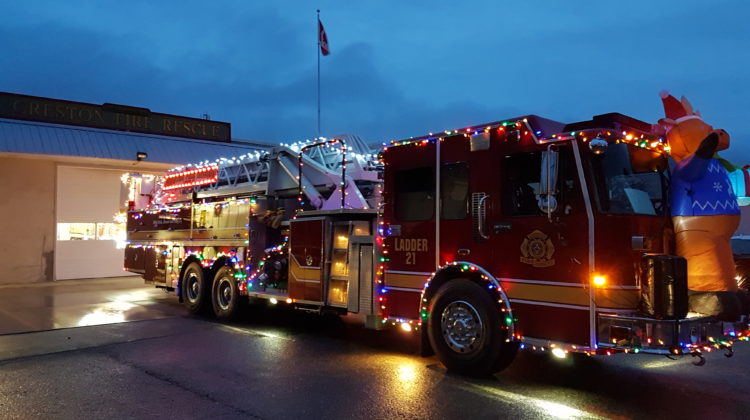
[537,250]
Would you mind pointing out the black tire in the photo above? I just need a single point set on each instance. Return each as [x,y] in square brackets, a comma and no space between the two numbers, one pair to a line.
[195,292]
[465,330]
[224,294]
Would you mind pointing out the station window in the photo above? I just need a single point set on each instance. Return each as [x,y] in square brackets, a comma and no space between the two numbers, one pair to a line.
[92,232]
[454,190]
[415,198]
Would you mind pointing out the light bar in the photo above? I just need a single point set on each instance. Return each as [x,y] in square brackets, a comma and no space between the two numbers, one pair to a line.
[191,177]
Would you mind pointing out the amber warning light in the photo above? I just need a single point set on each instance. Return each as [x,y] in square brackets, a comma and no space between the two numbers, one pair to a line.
[599,281]
[191,177]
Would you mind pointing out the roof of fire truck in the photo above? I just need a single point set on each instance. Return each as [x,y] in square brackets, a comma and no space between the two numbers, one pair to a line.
[541,127]
[544,129]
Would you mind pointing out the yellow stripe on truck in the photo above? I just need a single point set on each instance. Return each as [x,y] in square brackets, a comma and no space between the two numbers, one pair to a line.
[407,281]
[605,298]
[303,273]
[566,295]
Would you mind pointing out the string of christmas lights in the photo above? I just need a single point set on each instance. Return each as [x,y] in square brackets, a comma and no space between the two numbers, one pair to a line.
[516,130]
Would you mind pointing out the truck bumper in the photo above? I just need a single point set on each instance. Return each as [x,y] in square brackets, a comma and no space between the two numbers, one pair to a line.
[668,336]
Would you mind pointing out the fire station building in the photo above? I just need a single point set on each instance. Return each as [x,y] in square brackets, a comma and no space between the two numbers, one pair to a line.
[67,171]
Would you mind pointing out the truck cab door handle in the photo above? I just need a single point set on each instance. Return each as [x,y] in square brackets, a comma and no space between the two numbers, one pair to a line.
[482,216]
[502,227]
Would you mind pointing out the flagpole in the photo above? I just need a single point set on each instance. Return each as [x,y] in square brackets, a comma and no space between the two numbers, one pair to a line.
[317,28]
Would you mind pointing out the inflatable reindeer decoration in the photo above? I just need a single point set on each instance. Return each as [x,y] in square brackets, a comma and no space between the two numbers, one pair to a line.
[705,212]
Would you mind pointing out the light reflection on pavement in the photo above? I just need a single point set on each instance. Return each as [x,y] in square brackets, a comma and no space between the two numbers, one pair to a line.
[74,303]
[548,408]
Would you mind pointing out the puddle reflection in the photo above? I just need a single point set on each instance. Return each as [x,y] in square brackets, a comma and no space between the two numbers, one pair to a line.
[114,311]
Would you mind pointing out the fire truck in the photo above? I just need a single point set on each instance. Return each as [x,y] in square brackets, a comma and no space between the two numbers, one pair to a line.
[524,233]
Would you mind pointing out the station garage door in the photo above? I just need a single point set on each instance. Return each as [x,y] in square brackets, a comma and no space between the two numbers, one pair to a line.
[90,223]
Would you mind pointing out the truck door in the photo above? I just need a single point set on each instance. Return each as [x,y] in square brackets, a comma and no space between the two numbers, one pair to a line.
[540,258]
[409,198]
[465,178]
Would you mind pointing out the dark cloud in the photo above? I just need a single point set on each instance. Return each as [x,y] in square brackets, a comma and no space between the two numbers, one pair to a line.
[394,72]
[271,98]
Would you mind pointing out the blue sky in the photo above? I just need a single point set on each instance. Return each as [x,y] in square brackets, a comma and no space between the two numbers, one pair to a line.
[397,69]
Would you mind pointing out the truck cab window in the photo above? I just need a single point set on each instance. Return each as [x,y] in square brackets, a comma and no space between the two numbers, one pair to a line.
[521,184]
[630,180]
[454,190]
[415,194]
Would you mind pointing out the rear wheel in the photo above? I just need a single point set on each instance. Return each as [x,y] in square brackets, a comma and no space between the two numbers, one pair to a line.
[465,330]
[194,289]
[224,297]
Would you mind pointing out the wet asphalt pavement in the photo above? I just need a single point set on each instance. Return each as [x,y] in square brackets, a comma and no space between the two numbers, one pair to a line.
[75,303]
[274,363]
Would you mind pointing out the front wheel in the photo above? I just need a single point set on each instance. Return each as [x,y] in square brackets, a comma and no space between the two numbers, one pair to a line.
[466,331]
[224,297]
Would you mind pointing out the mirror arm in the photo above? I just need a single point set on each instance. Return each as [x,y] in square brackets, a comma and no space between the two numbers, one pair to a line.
[549,191]
[549,186]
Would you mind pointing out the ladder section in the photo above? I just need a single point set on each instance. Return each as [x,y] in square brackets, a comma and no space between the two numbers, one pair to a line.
[322,178]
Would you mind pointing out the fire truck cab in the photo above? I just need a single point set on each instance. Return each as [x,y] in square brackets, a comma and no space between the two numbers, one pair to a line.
[528,233]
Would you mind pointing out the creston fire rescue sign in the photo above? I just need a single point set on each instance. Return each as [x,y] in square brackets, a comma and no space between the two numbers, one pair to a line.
[110,116]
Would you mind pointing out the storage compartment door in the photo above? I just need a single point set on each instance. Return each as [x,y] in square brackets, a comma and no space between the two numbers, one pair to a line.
[306,260]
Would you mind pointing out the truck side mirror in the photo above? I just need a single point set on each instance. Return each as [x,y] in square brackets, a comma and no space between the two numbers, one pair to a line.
[598,145]
[548,182]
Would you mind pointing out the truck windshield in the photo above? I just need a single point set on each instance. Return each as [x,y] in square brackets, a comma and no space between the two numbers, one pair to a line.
[630,180]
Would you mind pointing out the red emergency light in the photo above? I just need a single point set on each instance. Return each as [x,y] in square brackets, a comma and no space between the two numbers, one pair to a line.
[191,177]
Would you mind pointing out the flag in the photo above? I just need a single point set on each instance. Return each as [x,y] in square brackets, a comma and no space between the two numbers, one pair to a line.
[322,39]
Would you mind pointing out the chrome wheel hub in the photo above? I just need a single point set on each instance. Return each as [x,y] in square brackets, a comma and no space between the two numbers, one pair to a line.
[461,327]
[224,295]
[193,287]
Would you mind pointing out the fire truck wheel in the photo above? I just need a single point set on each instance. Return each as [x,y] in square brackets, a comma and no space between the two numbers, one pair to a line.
[465,331]
[194,289]
[224,294]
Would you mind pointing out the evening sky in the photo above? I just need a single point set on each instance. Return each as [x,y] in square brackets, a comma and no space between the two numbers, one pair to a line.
[397,68]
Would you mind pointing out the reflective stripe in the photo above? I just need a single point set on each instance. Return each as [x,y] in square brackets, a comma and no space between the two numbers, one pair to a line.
[304,274]
[403,279]
[612,298]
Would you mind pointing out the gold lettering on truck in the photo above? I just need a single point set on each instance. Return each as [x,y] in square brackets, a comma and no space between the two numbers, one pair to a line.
[410,246]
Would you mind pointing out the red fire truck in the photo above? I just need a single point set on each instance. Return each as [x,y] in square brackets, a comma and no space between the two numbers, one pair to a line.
[519,234]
